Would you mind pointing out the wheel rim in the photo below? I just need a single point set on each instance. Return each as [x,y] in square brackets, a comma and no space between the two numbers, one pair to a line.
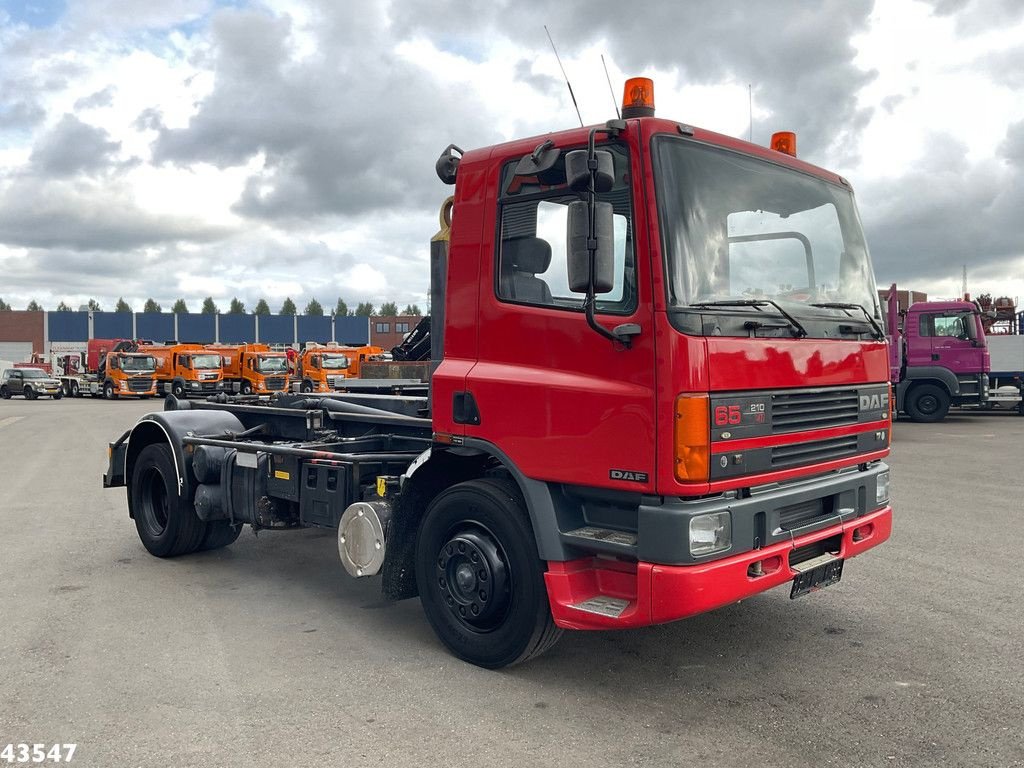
[928,404]
[155,506]
[472,578]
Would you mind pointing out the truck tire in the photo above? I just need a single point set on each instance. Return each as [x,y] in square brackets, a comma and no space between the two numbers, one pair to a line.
[75,392]
[479,578]
[306,386]
[178,390]
[108,391]
[167,523]
[219,533]
[927,403]
[246,387]
[30,394]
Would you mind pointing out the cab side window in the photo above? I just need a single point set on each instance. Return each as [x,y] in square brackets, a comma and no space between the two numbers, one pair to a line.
[532,264]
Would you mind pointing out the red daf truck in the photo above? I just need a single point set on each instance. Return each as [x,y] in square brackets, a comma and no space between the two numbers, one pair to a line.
[661,386]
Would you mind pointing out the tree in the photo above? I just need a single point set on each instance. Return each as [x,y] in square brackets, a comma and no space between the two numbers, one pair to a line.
[94,306]
[179,307]
[314,308]
[412,309]
[262,308]
[388,309]
[122,305]
[237,307]
[364,309]
[342,309]
[152,306]
[62,307]
[33,306]
[4,306]
[288,308]
[209,308]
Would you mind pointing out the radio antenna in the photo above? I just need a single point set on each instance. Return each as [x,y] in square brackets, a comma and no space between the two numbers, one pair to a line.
[610,89]
[559,60]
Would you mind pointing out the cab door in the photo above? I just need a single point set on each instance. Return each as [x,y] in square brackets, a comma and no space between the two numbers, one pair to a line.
[563,402]
[952,345]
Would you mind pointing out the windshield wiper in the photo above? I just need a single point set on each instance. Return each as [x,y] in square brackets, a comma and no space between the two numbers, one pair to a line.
[798,329]
[879,333]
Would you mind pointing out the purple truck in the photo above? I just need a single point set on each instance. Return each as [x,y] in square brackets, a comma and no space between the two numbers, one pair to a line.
[938,357]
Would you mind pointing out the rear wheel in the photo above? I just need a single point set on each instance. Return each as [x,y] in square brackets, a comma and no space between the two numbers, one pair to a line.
[166,522]
[5,393]
[479,578]
[74,389]
[927,403]
[219,533]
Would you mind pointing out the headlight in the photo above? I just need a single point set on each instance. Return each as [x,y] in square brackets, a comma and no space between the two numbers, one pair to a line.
[882,488]
[124,385]
[194,384]
[710,533]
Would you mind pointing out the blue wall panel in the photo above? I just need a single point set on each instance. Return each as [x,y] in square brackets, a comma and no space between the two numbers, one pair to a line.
[67,326]
[154,326]
[237,329]
[111,325]
[312,328]
[352,330]
[277,329]
[196,328]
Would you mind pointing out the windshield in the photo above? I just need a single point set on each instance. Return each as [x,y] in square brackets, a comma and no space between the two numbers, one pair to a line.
[33,373]
[266,364]
[737,228]
[333,362]
[138,363]
[206,361]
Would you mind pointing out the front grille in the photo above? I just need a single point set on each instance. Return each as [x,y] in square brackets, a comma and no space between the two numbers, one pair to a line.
[795,411]
[276,382]
[140,385]
[805,513]
[814,451]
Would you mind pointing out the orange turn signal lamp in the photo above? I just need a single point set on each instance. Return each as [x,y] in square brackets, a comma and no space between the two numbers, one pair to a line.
[785,142]
[692,438]
[638,97]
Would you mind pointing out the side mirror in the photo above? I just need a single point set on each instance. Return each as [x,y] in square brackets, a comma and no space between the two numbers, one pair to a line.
[578,256]
[577,171]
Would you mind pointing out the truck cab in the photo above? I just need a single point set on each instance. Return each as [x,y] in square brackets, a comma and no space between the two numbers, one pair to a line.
[252,369]
[939,357]
[321,368]
[187,369]
[128,374]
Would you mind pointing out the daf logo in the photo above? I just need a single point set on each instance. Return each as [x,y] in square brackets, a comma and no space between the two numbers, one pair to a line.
[875,402]
[625,474]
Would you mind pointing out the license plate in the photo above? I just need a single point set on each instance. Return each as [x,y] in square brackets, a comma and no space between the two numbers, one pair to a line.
[816,574]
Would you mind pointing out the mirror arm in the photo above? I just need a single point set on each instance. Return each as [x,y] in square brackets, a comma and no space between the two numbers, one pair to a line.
[623,334]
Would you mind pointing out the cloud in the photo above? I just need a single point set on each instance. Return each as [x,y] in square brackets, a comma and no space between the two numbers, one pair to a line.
[73,147]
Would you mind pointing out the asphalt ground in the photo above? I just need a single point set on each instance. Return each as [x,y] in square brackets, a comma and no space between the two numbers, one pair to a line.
[268,654]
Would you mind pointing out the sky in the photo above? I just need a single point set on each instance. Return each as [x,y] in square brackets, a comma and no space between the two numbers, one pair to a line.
[193,148]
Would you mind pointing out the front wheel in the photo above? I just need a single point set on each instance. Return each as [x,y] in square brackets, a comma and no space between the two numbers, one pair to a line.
[479,578]
[166,522]
[178,390]
[58,394]
[246,388]
[306,386]
[927,403]
[30,394]
[108,391]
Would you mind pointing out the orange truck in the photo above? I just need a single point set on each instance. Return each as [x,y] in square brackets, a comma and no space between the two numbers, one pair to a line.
[321,368]
[186,369]
[113,368]
[252,368]
[359,355]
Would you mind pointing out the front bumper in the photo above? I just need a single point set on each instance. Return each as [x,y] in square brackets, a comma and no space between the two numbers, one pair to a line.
[647,593]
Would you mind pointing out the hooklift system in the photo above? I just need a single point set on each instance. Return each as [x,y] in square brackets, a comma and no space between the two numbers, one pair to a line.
[649,398]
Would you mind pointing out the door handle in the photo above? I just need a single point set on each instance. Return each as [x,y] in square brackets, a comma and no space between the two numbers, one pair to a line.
[935,356]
